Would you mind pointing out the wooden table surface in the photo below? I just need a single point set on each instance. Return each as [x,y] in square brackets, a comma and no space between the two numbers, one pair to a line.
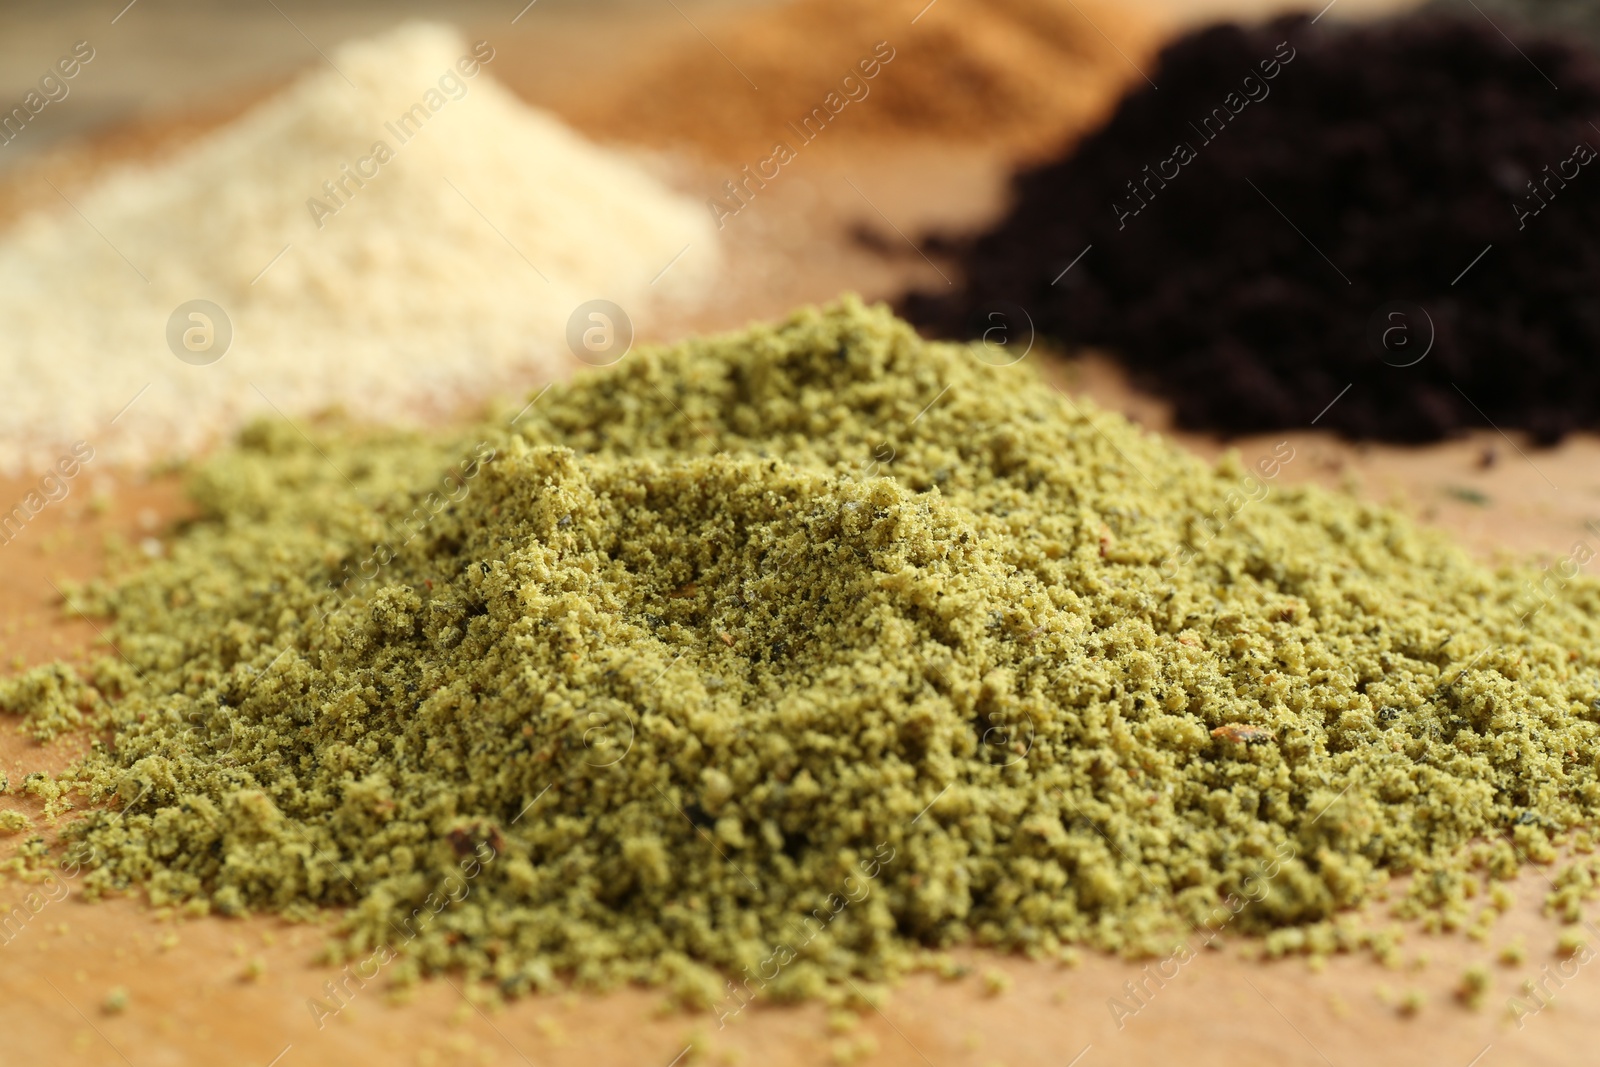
[192,998]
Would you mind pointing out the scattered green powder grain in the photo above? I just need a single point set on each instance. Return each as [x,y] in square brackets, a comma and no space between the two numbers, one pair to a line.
[56,700]
[253,970]
[400,996]
[850,1050]
[696,1046]
[1474,985]
[995,981]
[1573,884]
[1513,953]
[783,656]
[1468,495]
[1571,942]
[14,822]
[115,1002]
[1412,1002]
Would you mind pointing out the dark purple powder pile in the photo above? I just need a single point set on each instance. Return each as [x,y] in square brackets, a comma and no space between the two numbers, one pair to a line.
[1409,209]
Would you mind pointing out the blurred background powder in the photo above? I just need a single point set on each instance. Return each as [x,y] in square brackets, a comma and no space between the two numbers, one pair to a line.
[974,85]
[177,61]
[1369,174]
[427,274]
[1017,74]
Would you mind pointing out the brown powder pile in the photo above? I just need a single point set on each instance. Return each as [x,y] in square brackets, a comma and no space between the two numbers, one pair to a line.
[1024,75]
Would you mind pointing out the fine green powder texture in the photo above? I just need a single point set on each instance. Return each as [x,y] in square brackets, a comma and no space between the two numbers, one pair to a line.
[788,654]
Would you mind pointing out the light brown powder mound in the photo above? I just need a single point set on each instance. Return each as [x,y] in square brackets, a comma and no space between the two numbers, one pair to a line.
[1025,75]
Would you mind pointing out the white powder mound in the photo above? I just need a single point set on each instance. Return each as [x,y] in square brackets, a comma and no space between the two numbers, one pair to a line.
[482,224]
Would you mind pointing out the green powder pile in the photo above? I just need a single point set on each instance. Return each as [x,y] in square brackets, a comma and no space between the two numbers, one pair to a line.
[795,653]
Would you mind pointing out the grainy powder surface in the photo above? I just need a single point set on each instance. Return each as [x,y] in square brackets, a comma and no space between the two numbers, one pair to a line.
[800,650]
[453,264]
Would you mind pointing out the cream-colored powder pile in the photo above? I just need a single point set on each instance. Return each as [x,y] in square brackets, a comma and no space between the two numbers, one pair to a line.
[446,270]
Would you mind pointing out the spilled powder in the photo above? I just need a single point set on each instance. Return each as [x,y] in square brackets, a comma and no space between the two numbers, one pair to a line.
[1017,74]
[803,650]
[451,266]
